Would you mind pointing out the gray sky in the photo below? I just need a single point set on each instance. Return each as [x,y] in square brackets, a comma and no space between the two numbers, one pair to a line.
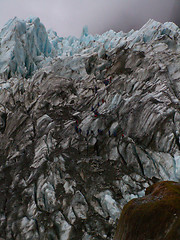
[67,17]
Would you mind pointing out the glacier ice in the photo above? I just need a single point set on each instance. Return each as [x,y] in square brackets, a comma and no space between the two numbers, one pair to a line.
[177,166]
[26,46]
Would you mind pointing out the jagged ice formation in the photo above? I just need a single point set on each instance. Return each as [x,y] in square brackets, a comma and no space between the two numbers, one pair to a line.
[74,149]
[26,46]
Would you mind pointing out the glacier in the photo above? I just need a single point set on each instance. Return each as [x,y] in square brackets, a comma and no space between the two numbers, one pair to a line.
[74,150]
[26,46]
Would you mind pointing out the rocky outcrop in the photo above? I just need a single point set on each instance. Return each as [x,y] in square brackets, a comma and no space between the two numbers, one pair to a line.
[76,146]
[155,216]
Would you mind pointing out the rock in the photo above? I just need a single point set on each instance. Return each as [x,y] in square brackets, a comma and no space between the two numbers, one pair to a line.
[155,216]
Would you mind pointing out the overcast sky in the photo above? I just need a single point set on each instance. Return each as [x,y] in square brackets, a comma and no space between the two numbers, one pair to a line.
[67,17]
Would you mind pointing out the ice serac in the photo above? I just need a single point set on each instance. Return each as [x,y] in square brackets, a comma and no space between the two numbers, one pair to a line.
[24,45]
[88,131]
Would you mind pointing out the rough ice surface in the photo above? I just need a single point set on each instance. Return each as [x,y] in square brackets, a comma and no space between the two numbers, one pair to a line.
[109,205]
[26,46]
[63,183]
[177,166]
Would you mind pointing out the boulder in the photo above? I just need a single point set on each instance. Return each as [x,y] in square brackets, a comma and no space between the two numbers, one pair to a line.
[156,216]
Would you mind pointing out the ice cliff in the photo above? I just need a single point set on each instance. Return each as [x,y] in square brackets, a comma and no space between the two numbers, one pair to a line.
[86,124]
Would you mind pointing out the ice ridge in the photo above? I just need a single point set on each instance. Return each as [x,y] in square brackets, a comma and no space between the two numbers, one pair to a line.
[26,46]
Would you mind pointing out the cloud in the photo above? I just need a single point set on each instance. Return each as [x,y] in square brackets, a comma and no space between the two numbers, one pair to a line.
[68,17]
